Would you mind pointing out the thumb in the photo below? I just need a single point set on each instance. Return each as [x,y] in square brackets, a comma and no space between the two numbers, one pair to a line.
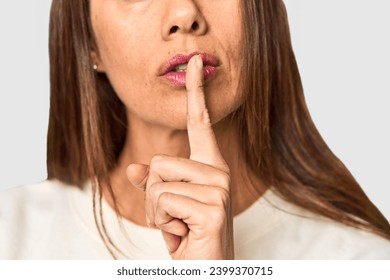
[137,175]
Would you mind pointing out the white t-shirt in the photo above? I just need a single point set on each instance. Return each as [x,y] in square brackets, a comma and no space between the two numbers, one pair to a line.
[51,220]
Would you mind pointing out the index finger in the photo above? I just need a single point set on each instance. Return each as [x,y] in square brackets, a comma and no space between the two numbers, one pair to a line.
[203,144]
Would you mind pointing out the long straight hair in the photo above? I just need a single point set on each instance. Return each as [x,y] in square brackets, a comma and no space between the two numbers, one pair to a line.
[87,125]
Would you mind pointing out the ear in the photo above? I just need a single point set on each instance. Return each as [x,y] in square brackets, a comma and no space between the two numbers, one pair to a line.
[95,58]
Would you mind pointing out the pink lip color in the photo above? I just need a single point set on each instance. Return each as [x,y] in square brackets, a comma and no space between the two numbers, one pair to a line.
[179,78]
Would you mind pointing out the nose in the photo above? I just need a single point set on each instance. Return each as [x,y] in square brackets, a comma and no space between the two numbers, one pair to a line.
[183,17]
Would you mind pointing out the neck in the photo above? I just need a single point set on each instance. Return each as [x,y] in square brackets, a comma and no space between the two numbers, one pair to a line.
[146,140]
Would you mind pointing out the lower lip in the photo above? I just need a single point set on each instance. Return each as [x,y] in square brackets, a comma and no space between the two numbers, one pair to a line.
[179,78]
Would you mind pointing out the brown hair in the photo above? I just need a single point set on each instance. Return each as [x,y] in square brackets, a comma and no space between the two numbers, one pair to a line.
[87,126]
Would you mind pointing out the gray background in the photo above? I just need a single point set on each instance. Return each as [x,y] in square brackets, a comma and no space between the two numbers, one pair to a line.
[342,48]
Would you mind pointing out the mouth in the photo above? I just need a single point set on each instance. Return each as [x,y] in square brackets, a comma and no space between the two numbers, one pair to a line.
[175,69]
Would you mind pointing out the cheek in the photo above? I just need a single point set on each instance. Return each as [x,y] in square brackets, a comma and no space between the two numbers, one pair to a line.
[138,87]
[226,96]
[123,49]
[229,97]
[125,65]
[222,100]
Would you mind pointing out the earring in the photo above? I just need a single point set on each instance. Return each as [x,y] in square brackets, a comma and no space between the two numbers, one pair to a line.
[95,67]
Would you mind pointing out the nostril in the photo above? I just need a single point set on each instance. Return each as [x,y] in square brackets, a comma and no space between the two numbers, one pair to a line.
[174,29]
[195,26]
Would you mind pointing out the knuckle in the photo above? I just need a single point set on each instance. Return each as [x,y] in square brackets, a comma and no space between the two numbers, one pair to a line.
[221,197]
[225,168]
[155,190]
[157,160]
[163,202]
[164,199]
[225,180]
[158,222]
[217,216]
[201,119]
[205,118]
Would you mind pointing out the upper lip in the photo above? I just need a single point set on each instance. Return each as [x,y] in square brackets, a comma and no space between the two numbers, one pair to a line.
[172,63]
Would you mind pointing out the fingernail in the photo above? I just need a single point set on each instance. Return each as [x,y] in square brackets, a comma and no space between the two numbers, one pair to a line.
[199,62]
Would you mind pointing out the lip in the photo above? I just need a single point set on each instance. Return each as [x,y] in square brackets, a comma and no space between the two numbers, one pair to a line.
[178,79]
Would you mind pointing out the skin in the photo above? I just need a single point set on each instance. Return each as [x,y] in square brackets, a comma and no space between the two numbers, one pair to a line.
[180,170]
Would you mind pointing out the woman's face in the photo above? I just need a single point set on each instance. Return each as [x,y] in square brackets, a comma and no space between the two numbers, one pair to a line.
[143,47]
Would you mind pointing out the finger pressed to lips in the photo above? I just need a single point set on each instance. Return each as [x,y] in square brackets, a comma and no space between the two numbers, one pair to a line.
[188,194]
[203,145]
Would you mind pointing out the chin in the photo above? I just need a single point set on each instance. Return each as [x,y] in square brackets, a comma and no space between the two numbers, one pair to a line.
[177,120]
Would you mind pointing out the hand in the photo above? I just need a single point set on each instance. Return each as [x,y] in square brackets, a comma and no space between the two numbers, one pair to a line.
[189,199]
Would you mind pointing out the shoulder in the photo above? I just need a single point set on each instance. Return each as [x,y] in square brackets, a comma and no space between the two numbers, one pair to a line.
[18,203]
[26,200]
[28,214]
[323,238]
[43,186]
[297,233]
[32,195]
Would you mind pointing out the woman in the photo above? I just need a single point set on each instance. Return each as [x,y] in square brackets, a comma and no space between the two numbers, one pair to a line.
[168,116]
